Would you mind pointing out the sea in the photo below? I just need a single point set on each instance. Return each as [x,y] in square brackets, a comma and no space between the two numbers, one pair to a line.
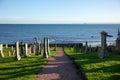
[57,33]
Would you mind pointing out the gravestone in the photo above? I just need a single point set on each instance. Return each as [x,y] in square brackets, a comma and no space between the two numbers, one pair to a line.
[75,48]
[26,50]
[40,48]
[9,54]
[86,47]
[82,49]
[17,55]
[33,48]
[12,48]
[48,47]
[103,52]
[118,42]
[1,50]
[29,50]
[90,49]
[45,54]
[55,46]
[6,45]
[36,46]
[22,48]
[13,52]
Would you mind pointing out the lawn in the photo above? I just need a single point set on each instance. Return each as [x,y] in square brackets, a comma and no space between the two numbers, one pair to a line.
[25,69]
[95,68]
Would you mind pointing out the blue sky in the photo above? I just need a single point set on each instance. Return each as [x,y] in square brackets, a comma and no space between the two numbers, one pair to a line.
[59,11]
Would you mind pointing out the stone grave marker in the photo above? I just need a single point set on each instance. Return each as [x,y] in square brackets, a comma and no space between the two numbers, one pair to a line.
[48,47]
[26,50]
[1,50]
[45,54]
[17,55]
[86,47]
[103,52]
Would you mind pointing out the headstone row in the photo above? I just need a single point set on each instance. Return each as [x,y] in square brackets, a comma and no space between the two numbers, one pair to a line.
[23,53]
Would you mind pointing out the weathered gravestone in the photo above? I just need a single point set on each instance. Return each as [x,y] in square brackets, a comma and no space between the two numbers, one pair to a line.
[12,48]
[29,50]
[103,52]
[17,55]
[41,47]
[55,46]
[75,48]
[26,50]
[9,54]
[37,46]
[13,52]
[1,50]
[86,47]
[118,42]
[90,49]
[6,45]
[33,48]
[45,54]
[21,49]
[48,47]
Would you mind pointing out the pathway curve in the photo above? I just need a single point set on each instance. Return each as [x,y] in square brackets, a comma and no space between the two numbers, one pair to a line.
[59,67]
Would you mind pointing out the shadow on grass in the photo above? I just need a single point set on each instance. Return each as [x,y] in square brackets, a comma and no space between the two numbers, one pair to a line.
[5,60]
[22,68]
[110,69]
[21,73]
[114,77]
[92,58]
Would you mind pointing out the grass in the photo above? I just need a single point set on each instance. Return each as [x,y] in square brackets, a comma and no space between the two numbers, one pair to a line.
[25,69]
[52,51]
[95,68]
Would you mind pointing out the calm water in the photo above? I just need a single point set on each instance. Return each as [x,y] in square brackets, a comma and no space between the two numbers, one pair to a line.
[10,33]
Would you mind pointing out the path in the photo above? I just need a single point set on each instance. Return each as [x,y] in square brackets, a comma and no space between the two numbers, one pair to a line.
[59,67]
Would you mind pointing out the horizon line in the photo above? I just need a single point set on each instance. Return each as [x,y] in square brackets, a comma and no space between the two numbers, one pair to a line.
[59,23]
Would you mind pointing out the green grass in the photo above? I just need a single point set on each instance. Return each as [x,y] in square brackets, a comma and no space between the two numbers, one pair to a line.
[25,69]
[52,51]
[95,68]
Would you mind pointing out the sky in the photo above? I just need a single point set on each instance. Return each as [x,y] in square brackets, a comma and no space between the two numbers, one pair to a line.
[59,11]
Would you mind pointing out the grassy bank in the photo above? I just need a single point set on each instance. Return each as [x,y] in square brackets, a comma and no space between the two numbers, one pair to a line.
[25,69]
[95,68]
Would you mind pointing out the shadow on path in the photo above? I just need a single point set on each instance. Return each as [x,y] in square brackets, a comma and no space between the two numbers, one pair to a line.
[59,67]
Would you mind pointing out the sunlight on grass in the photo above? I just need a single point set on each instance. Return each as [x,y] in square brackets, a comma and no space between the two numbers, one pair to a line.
[95,68]
[25,69]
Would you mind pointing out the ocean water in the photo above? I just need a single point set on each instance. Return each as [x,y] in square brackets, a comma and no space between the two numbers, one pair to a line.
[59,33]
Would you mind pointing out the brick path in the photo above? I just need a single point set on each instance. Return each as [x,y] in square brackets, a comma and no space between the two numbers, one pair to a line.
[59,67]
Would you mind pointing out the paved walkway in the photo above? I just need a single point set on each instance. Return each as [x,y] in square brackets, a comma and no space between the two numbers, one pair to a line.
[59,67]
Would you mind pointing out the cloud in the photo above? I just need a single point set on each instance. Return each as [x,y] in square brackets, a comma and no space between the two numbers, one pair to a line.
[11,17]
[33,18]
[19,19]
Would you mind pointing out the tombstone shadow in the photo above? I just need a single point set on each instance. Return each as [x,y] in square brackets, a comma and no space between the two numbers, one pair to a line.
[114,77]
[21,70]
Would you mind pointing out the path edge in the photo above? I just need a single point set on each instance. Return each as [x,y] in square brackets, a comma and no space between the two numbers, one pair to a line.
[79,68]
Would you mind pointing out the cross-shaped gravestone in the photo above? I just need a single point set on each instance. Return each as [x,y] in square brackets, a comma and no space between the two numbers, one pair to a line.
[103,52]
